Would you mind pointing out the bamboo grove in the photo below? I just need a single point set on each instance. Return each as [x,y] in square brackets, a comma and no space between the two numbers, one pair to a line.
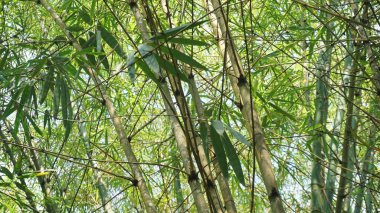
[189,106]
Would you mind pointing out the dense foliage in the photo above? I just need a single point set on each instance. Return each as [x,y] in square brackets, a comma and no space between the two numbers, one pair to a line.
[200,106]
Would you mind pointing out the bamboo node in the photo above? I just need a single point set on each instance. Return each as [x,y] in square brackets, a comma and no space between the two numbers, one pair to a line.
[135,182]
[273,194]
[193,176]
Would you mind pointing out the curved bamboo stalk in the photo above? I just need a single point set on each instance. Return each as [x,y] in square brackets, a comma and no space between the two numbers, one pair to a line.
[140,182]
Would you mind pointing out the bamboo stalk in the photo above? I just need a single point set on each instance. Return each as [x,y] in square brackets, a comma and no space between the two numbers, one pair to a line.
[202,119]
[180,136]
[140,182]
[241,90]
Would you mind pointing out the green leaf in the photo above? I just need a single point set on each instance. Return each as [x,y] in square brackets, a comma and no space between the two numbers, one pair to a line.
[75,28]
[4,59]
[38,65]
[103,59]
[238,136]
[19,116]
[88,51]
[187,41]
[111,41]
[57,96]
[233,158]
[182,57]
[219,126]
[25,96]
[277,108]
[145,68]
[85,17]
[146,52]
[298,27]
[47,83]
[219,150]
[6,171]
[204,137]
[177,30]
[18,165]
[34,102]
[8,110]
[5,184]
[170,68]
[177,189]
[25,126]
[46,117]
[31,120]
[20,110]
[131,60]
[66,109]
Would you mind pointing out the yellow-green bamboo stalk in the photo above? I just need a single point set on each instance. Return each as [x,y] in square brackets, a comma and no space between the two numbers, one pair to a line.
[241,90]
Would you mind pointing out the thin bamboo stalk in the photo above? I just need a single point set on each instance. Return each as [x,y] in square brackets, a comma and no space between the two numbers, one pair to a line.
[50,205]
[348,135]
[363,36]
[102,190]
[9,152]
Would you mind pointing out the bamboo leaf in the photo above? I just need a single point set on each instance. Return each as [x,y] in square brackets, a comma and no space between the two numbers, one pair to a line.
[66,109]
[103,59]
[47,84]
[38,65]
[170,68]
[75,28]
[177,30]
[87,50]
[204,137]
[278,109]
[46,117]
[111,41]
[4,59]
[233,158]
[131,60]
[5,184]
[20,110]
[8,110]
[18,165]
[178,189]
[25,126]
[145,68]
[182,57]
[219,150]
[57,96]
[146,52]
[187,41]
[6,171]
[238,136]
[35,126]
[85,17]
[219,127]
